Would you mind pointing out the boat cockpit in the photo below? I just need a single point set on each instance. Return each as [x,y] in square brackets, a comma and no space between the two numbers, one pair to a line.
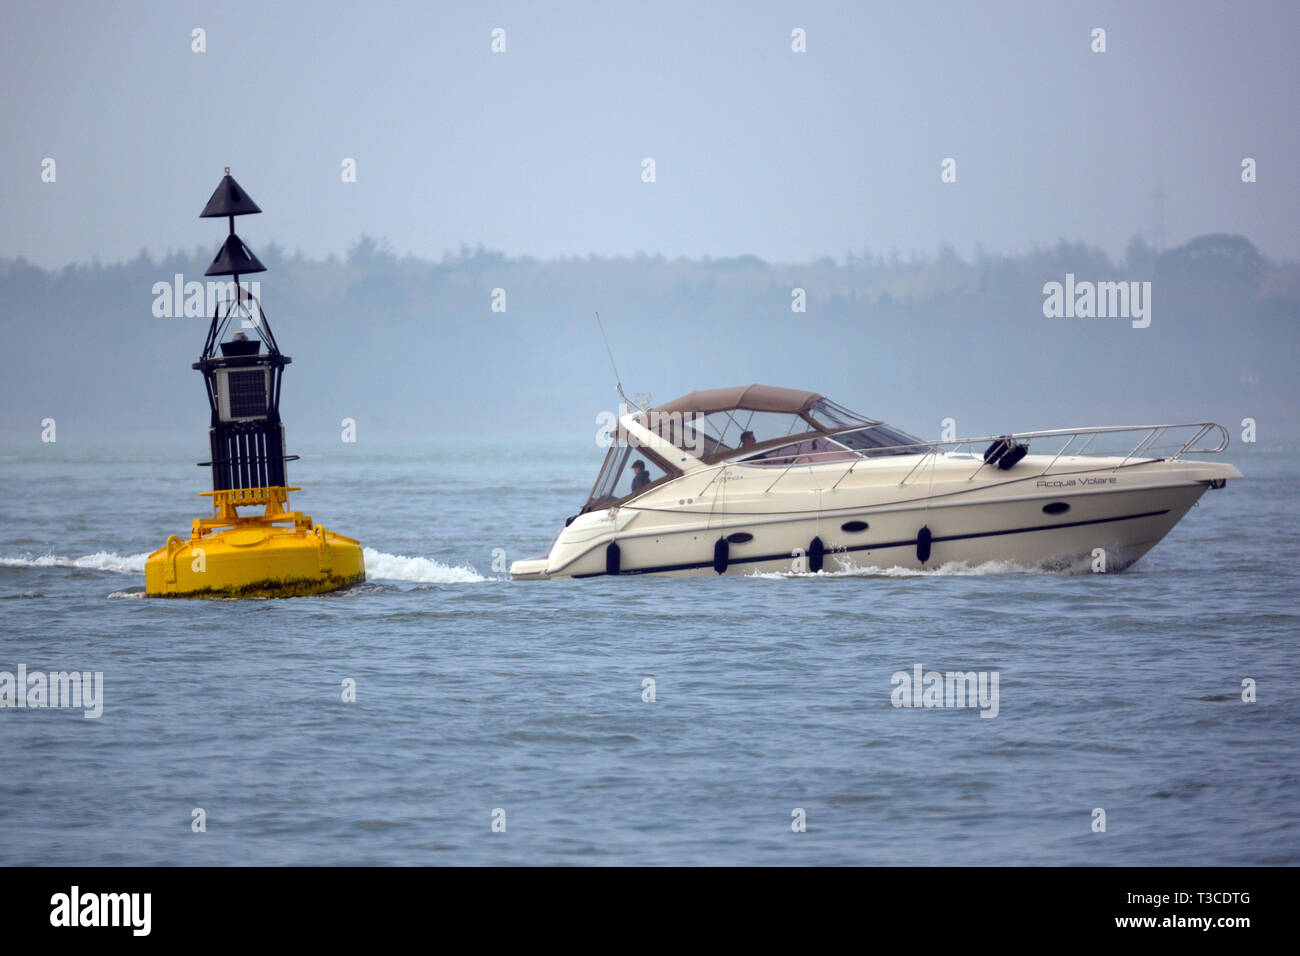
[757,425]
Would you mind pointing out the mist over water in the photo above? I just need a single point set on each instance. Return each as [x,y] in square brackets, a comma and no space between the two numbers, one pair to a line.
[412,353]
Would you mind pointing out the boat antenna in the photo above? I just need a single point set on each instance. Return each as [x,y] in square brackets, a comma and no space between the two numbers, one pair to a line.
[618,382]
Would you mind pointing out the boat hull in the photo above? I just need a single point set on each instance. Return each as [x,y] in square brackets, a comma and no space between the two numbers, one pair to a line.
[1109,536]
[1082,520]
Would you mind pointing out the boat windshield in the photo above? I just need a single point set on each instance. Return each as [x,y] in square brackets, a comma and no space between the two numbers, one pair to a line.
[871,441]
[626,473]
[831,415]
[722,433]
[807,451]
[882,440]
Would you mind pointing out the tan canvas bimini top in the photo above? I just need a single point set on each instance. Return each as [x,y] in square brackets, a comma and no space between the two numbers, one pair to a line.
[754,398]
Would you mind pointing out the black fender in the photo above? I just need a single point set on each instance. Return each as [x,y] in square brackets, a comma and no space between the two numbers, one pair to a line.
[816,555]
[721,554]
[1012,455]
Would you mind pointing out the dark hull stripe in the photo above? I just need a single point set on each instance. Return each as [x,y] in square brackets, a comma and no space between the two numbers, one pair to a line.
[909,543]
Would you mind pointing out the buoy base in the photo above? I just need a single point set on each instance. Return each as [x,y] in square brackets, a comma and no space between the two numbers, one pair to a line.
[278,554]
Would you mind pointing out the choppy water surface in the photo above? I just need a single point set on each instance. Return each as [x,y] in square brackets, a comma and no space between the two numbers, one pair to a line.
[1120,692]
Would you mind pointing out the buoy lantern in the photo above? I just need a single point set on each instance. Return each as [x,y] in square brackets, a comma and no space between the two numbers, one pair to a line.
[278,553]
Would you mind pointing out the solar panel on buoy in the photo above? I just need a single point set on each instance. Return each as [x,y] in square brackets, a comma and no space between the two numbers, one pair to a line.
[247,396]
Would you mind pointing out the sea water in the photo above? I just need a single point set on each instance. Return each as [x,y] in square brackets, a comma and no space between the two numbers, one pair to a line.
[742,719]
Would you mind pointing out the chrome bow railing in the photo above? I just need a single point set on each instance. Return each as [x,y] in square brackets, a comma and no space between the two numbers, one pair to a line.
[1150,435]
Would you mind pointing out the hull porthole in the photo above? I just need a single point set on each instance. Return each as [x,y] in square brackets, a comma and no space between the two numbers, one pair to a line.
[740,537]
[1056,508]
[853,527]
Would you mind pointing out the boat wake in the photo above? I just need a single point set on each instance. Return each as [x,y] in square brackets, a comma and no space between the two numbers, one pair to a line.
[948,569]
[99,561]
[381,566]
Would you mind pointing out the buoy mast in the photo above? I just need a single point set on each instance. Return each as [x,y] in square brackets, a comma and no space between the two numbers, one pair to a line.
[246,438]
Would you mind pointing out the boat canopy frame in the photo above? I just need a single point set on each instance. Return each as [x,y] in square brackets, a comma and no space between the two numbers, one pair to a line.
[731,413]
[806,416]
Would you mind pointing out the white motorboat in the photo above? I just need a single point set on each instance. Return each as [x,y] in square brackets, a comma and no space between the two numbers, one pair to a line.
[764,479]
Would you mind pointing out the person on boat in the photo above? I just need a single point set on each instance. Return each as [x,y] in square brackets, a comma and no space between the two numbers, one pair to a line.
[747,440]
[640,477]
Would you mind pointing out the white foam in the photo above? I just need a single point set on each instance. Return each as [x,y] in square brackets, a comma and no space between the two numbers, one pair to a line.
[399,567]
[948,569]
[379,565]
[99,561]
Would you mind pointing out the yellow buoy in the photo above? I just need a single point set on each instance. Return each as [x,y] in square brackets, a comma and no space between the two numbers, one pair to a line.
[275,554]
[278,553]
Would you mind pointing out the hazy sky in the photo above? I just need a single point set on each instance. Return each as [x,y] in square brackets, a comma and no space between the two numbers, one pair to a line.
[539,150]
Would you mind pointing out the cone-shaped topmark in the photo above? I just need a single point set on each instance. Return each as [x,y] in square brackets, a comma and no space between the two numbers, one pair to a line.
[229,199]
[234,259]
